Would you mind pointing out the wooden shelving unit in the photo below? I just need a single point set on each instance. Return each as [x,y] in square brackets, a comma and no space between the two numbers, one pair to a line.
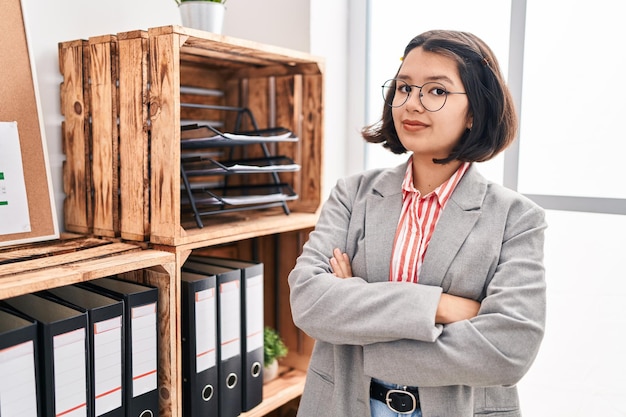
[29,268]
[121,100]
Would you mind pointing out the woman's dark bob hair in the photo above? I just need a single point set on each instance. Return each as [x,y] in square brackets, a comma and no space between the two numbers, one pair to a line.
[490,102]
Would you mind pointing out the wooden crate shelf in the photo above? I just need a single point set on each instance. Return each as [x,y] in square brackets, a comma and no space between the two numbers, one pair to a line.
[24,270]
[123,100]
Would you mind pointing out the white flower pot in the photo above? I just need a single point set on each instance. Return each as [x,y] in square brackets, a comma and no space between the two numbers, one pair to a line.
[270,372]
[203,15]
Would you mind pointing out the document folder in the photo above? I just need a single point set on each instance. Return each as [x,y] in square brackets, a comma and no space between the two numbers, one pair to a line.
[62,351]
[199,344]
[228,283]
[252,323]
[141,343]
[106,346]
[19,388]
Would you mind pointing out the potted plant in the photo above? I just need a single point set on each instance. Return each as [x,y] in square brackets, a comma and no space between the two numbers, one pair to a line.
[273,348]
[205,15]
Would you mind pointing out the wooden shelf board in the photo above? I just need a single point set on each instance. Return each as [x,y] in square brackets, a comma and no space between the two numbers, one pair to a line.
[279,392]
[79,271]
[221,229]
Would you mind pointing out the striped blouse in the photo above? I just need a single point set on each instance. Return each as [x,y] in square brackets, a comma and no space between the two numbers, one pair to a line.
[417,222]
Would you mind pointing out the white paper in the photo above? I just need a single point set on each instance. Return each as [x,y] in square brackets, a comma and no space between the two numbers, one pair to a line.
[18,396]
[205,330]
[243,168]
[248,199]
[108,364]
[70,374]
[254,310]
[14,216]
[230,319]
[144,350]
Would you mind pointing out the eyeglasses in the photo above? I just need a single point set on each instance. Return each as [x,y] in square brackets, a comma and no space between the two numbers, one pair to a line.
[432,95]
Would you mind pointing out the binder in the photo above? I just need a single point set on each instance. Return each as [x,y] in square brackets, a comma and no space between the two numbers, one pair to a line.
[141,396]
[199,344]
[228,284]
[62,351]
[252,323]
[19,388]
[106,346]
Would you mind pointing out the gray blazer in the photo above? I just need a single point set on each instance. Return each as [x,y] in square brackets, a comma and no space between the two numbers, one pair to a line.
[488,246]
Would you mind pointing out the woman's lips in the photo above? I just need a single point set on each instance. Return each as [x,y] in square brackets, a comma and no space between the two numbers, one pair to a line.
[413,125]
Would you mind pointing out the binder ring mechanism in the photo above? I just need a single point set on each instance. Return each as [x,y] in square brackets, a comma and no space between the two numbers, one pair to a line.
[255,370]
[207,392]
[231,380]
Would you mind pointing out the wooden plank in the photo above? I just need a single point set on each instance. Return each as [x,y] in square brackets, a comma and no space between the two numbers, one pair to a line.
[47,249]
[103,72]
[83,269]
[221,229]
[133,142]
[73,56]
[288,386]
[312,143]
[288,110]
[165,138]
[67,258]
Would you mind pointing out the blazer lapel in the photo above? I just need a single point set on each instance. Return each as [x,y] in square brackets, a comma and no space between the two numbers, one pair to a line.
[456,222]
[383,208]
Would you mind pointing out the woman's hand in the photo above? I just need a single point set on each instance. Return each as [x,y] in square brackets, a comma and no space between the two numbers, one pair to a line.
[452,308]
[340,263]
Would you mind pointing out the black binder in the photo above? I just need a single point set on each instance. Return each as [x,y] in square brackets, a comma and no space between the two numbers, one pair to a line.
[141,342]
[106,346]
[19,387]
[228,283]
[63,359]
[199,344]
[252,323]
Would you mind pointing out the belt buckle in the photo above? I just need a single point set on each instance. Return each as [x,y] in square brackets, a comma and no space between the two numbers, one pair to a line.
[391,402]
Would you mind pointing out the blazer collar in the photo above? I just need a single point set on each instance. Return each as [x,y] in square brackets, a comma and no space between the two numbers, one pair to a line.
[383,208]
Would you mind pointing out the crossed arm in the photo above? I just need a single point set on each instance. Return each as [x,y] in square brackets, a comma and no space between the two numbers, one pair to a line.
[451,308]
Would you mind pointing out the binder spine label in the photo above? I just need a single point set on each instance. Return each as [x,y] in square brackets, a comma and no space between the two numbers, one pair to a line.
[205,330]
[70,374]
[18,393]
[230,319]
[108,364]
[254,320]
[144,348]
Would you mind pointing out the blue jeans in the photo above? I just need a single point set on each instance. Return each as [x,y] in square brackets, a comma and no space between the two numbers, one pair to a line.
[380,409]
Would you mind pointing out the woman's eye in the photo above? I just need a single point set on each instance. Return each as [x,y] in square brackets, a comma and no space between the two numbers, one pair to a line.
[404,88]
[438,91]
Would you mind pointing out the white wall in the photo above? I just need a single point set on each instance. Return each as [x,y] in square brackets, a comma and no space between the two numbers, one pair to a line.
[285,23]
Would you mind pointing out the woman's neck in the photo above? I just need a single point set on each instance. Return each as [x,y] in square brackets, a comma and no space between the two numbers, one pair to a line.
[428,175]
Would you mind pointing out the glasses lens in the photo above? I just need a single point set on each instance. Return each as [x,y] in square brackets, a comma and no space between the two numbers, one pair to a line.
[395,92]
[433,96]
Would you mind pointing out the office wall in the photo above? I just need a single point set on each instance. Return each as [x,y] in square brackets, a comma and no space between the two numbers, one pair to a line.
[285,23]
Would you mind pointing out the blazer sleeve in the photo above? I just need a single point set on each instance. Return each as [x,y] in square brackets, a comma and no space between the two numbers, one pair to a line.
[352,311]
[498,346]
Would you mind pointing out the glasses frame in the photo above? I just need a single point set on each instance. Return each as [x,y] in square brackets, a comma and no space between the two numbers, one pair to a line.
[420,95]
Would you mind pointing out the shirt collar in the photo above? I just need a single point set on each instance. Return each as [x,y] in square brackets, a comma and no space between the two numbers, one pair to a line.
[443,192]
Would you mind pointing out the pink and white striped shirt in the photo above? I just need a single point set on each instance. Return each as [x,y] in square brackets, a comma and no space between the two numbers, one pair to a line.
[417,222]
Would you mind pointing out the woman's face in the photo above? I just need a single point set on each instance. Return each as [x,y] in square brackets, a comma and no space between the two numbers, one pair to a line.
[431,134]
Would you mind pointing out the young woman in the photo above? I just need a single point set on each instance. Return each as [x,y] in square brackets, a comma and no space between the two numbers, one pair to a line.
[423,285]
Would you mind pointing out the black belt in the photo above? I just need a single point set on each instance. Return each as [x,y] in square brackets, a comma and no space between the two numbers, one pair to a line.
[403,401]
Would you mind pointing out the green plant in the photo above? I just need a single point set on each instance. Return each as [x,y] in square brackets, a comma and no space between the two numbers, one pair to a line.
[273,346]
